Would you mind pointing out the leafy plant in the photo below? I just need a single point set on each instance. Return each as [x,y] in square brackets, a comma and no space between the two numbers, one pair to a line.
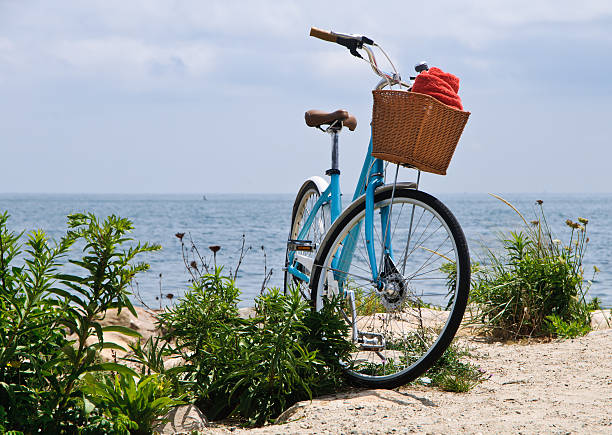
[561,328]
[150,356]
[452,373]
[103,285]
[138,405]
[535,277]
[47,318]
[253,368]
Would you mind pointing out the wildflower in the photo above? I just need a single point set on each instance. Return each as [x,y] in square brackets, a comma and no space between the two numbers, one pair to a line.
[581,227]
[535,223]
[596,269]
[14,364]
[539,202]
[571,224]
[583,220]
[557,242]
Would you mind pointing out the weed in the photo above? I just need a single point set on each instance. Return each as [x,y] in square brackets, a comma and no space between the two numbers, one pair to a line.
[535,287]
[253,368]
[47,319]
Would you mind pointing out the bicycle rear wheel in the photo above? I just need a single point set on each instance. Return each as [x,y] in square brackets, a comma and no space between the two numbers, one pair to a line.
[307,197]
[402,322]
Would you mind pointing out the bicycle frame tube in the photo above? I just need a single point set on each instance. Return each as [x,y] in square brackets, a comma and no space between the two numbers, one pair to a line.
[365,171]
[372,176]
[331,195]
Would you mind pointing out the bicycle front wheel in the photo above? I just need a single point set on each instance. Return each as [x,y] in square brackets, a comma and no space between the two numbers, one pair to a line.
[402,320]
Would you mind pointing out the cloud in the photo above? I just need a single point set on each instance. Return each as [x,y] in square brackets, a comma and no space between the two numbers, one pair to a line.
[132,58]
[189,72]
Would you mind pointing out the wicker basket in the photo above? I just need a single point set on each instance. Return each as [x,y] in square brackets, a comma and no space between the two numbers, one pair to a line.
[415,129]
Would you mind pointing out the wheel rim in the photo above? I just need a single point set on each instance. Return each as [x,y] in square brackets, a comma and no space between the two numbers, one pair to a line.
[316,233]
[410,311]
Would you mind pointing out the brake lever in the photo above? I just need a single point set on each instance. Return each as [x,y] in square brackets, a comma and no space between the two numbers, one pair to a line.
[355,53]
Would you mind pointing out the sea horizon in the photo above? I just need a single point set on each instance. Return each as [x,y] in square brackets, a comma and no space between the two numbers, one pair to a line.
[263,219]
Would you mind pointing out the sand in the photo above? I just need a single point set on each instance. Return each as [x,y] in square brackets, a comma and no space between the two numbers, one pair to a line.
[556,387]
[559,387]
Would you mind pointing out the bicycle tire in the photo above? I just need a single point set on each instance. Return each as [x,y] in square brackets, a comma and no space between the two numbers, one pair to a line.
[403,303]
[307,196]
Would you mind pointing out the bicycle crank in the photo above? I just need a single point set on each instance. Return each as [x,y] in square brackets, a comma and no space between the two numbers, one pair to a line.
[371,341]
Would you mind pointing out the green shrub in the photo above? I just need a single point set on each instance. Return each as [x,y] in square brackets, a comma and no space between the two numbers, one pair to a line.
[137,405]
[47,317]
[254,368]
[564,329]
[535,285]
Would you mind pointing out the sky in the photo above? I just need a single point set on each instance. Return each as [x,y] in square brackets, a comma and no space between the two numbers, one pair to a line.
[148,96]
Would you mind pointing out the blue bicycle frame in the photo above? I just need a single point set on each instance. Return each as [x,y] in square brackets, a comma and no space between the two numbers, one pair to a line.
[371,177]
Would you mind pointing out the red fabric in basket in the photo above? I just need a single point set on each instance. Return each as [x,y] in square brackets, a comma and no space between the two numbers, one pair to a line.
[441,85]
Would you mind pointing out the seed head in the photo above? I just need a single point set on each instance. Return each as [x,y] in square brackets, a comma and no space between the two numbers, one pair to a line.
[583,221]
[180,236]
[539,202]
[535,223]
[574,225]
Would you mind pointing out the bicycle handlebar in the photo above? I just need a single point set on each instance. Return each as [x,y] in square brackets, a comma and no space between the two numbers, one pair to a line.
[325,35]
[353,42]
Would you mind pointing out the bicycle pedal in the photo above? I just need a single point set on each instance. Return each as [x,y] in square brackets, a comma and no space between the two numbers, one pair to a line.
[301,245]
[371,341]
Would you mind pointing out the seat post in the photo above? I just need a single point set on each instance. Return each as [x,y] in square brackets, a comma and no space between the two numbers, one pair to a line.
[334,172]
[335,165]
[334,130]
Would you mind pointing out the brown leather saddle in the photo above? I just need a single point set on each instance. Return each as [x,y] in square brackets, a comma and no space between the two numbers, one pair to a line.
[317,118]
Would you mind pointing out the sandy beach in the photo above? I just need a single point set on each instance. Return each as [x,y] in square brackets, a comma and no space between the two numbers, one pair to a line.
[556,387]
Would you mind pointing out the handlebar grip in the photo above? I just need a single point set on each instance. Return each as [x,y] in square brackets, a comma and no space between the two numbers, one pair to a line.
[325,35]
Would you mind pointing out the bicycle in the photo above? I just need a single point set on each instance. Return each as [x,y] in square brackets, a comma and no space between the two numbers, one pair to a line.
[403,278]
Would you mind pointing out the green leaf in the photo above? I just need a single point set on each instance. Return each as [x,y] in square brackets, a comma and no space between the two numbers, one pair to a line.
[70,353]
[109,345]
[123,330]
[112,367]
[88,406]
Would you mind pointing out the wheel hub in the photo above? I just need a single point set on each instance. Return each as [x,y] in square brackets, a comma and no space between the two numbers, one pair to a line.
[394,291]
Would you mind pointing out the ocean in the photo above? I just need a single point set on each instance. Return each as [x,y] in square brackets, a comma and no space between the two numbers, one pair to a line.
[262,223]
